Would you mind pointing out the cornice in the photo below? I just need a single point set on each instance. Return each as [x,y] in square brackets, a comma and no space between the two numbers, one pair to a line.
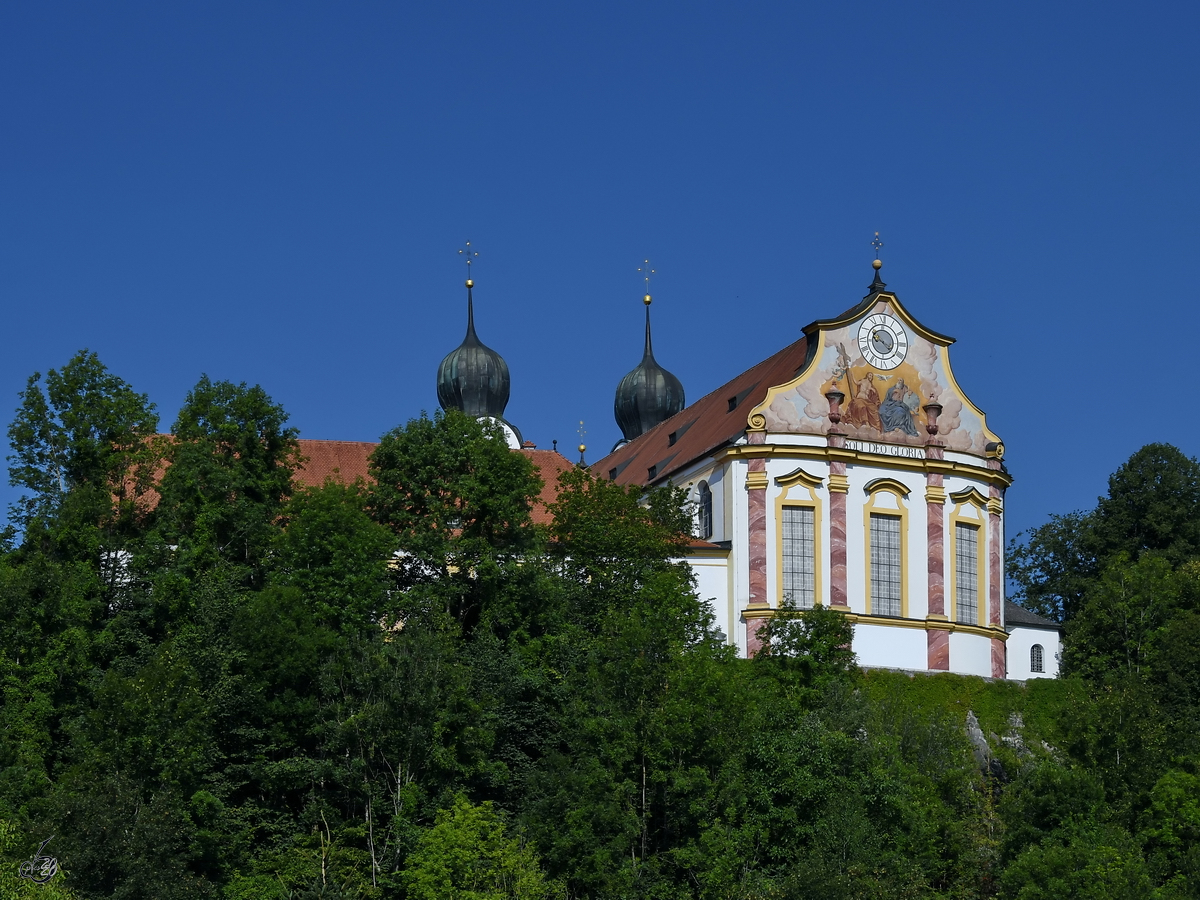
[930,624]
[838,454]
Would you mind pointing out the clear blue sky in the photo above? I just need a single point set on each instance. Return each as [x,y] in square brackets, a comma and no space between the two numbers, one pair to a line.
[274,193]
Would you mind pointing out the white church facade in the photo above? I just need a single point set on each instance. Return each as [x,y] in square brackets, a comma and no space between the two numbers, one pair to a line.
[849,470]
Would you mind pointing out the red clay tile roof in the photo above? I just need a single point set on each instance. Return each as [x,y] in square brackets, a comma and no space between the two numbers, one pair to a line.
[549,465]
[704,426]
[344,461]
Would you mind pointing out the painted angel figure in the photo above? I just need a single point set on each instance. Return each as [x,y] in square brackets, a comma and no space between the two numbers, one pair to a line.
[897,409]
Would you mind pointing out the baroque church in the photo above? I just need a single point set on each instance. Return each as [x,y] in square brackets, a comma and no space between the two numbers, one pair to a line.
[847,469]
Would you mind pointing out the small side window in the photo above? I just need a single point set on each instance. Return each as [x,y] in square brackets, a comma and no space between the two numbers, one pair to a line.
[706,523]
[1037,658]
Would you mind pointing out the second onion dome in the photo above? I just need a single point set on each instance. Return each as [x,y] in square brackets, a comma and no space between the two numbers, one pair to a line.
[648,395]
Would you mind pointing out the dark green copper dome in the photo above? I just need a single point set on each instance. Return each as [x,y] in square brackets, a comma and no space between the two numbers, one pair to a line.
[473,378]
[648,395]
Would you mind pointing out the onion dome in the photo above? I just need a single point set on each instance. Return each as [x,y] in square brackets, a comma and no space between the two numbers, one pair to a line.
[473,378]
[648,395]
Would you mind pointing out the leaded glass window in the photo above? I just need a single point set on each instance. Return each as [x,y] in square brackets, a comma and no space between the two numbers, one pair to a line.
[966,573]
[1037,658]
[799,555]
[886,565]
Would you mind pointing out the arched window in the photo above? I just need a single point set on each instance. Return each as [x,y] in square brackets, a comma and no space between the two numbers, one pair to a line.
[706,525]
[1037,658]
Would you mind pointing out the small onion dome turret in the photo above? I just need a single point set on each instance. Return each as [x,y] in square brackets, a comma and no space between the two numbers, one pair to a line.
[473,378]
[648,395]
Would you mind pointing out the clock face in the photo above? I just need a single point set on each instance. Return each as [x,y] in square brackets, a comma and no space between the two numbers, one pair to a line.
[882,341]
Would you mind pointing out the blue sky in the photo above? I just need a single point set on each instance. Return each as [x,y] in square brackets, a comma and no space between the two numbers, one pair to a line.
[274,193]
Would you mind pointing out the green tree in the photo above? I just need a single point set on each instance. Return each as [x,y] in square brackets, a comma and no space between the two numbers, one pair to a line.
[816,642]
[467,855]
[610,539]
[332,551]
[459,502]
[84,455]
[1048,795]
[1124,611]
[1172,830]
[1152,507]
[1090,862]
[231,466]
[1055,565]
[16,849]
[1175,664]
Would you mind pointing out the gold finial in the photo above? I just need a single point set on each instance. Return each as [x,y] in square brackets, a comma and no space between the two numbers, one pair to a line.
[468,254]
[877,244]
[646,273]
[582,446]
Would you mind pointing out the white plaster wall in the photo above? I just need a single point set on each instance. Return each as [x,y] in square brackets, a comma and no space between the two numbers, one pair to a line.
[712,586]
[970,654]
[1021,639]
[890,647]
[739,551]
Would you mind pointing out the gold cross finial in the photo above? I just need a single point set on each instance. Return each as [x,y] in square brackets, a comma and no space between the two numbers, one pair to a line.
[582,445]
[468,255]
[877,244]
[646,273]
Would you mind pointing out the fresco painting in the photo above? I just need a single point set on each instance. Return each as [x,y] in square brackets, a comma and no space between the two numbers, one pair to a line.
[883,406]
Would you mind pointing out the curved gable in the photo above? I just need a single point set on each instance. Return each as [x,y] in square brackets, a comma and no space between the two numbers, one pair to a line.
[883,405]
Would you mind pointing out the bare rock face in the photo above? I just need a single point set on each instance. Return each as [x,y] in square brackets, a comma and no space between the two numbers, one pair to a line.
[979,744]
[982,752]
[1013,738]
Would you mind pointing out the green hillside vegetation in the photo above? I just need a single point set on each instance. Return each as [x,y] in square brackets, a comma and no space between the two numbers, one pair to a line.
[219,685]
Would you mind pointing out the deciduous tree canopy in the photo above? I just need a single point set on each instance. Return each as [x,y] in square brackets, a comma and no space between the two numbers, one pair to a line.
[218,685]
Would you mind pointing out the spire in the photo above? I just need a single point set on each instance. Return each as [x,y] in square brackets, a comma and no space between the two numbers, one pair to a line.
[649,394]
[648,353]
[878,284]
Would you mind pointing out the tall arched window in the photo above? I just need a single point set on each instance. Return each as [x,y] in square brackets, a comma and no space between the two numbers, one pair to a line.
[1037,658]
[706,525]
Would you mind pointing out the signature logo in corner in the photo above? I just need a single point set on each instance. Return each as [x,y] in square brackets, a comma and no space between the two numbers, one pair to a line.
[41,868]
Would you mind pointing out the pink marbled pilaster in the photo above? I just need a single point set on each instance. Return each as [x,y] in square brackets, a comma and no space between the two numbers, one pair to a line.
[756,520]
[754,638]
[837,541]
[996,570]
[999,659]
[939,650]
[935,532]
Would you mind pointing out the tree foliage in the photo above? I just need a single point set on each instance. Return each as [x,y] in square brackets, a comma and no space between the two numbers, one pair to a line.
[217,684]
[83,454]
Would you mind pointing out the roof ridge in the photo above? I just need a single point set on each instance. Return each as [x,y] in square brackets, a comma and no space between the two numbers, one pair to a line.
[644,440]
